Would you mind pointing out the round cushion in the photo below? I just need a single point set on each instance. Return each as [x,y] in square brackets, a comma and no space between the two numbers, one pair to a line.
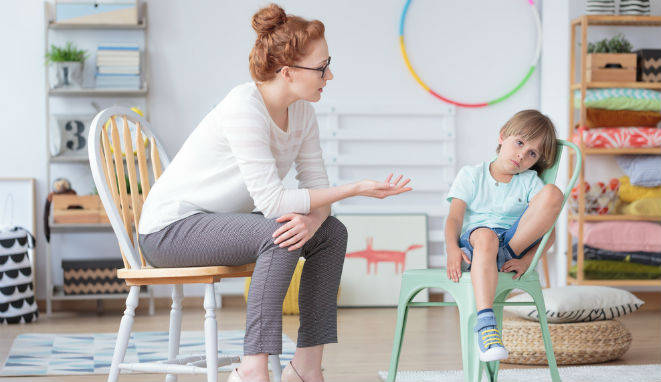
[575,343]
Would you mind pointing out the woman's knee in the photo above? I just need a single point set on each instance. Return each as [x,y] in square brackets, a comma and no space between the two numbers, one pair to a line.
[336,228]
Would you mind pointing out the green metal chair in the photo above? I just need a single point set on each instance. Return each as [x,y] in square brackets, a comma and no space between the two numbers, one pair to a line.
[413,281]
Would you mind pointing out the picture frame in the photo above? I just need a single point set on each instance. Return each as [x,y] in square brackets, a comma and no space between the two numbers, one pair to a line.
[379,248]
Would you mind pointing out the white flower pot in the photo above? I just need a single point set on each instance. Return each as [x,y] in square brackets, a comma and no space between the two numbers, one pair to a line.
[66,74]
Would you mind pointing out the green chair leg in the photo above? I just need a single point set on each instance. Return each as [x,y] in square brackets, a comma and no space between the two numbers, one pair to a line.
[470,359]
[402,313]
[538,298]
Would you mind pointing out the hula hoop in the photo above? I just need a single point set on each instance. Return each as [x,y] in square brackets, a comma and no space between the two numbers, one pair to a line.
[533,64]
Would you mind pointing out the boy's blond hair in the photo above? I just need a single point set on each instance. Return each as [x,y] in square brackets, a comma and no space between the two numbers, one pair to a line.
[529,125]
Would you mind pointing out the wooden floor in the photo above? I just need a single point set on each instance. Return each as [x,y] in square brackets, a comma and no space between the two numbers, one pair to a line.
[431,342]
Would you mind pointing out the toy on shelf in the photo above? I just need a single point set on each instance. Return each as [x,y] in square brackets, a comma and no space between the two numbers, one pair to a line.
[600,198]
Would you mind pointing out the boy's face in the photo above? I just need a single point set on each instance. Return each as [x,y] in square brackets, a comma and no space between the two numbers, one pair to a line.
[517,155]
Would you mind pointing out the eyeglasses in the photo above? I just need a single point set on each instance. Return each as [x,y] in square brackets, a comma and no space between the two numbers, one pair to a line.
[321,69]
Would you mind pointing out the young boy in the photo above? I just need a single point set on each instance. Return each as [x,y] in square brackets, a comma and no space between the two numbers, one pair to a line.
[499,210]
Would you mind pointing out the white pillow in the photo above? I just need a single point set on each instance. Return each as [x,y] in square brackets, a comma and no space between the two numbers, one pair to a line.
[578,304]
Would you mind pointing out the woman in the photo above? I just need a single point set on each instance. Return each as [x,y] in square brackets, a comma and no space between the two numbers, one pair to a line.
[200,211]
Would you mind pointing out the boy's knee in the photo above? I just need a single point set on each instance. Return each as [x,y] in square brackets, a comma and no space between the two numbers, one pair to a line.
[484,238]
[550,197]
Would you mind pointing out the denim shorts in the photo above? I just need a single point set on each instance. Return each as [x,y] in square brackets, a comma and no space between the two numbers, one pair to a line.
[504,251]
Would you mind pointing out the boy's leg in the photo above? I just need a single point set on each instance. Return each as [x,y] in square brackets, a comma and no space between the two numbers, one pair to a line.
[538,218]
[484,275]
[484,269]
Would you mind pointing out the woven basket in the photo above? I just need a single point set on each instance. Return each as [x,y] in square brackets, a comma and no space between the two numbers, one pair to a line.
[573,343]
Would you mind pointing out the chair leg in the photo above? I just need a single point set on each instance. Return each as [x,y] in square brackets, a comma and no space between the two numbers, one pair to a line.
[124,333]
[469,354]
[211,333]
[538,298]
[276,367]
[175,327]
[402,313]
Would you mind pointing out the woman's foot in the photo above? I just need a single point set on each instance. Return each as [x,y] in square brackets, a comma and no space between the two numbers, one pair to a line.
[253,368]
[234,376]
[291,374]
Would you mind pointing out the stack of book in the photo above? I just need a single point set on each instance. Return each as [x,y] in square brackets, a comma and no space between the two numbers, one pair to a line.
[118,66]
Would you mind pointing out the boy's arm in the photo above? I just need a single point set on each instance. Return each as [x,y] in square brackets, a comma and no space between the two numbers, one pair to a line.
[453,225]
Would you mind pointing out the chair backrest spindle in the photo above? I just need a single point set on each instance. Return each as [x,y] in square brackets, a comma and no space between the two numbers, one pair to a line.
[113,162]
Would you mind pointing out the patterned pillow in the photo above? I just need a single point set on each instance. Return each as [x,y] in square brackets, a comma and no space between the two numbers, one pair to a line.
[620,99]
[578,304]
[619,137]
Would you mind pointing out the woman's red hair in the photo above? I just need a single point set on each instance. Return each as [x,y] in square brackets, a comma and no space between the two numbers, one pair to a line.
[281,40]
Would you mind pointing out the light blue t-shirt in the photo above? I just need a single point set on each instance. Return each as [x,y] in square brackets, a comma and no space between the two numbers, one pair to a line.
[491,203]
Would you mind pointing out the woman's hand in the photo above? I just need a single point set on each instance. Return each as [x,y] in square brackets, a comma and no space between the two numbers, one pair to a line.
[384,189]
[297,231]
[455,255]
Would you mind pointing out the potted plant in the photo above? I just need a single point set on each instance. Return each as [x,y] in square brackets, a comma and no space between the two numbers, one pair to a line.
[611,60]
[66,65]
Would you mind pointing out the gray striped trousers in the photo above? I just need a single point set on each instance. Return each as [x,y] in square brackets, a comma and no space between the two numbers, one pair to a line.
[207,239]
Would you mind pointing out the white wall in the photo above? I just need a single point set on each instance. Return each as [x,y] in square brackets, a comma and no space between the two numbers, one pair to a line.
[198,50]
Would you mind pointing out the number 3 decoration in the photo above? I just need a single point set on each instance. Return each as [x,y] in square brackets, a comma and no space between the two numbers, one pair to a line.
[69,135]
[538,24]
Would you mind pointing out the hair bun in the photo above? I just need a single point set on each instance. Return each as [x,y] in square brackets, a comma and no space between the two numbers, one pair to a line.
[268,18]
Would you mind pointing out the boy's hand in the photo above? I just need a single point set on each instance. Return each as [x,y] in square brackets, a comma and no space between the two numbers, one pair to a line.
[455,254]
[520,266]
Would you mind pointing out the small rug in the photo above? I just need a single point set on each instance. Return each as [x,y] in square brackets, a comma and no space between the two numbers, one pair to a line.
[91,353]
[626,373]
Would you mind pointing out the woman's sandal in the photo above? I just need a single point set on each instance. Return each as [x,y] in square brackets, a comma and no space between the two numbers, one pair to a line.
[234,376]
[289,374]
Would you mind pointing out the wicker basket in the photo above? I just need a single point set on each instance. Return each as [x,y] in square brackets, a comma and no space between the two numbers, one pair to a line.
[573,343]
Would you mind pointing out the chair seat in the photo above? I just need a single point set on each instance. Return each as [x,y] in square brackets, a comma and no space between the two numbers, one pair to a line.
[151,276]
[440,275]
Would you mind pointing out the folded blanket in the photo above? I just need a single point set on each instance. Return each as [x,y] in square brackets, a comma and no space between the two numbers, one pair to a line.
[620,99]
[629,193]
[610,270]
[641,207]
[592,253]
[642,170]
[621,118]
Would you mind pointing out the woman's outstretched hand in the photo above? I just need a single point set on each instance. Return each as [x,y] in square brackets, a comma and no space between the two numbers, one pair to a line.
[384,189]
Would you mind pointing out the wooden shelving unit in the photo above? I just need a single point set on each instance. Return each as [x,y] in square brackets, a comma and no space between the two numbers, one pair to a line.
[55,292]
[582,23]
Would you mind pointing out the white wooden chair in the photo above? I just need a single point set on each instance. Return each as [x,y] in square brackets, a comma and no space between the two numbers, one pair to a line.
[108,165]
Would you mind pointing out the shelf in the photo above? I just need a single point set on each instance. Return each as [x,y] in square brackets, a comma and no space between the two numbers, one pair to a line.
[68,159]
[142,24]
[613,217]
[58,294]
[620,20]
[80,227]
[636,85]
[573,281]
[622,151]
[91,92]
